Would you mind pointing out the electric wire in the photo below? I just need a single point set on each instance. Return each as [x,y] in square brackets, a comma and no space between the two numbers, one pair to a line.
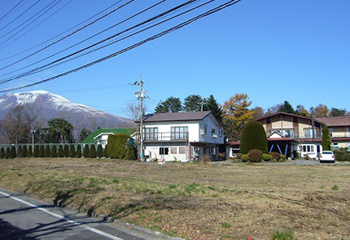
[44,67]
[12,9]
[67,36]
[45,10]
[36,25]
[140,43]
[88,19]
[20,15]
[78,43]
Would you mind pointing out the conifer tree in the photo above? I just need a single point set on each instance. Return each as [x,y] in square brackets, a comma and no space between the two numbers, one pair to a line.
[47,151]
[19,152]
[2,153]
[86,151]
[60,151]
[25,151]
[71,151]
[65,150]
[54,151]
[13,152]
[99,151]
[30,151]
[78,151]
[8,153]
[41,151]
[326,139]
[93,151]
[36,151]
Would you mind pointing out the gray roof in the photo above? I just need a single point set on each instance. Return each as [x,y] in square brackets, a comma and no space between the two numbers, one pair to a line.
[178,116]
[335,121]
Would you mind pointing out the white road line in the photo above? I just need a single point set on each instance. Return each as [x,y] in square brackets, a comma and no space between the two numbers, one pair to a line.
[63,218]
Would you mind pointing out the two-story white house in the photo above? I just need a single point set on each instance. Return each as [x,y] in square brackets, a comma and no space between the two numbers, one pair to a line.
[182,136]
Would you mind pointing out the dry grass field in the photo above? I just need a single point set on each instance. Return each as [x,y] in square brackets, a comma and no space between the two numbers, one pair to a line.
[195,201]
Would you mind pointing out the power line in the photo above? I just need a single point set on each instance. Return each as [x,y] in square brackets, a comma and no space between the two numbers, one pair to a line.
[61,32]
[127,19]
[56,62]
[12,9]
[20,15]
[42,12]
[140,43]
[72,33]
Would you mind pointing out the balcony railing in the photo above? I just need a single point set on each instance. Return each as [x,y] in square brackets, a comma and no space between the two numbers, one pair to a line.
[167,136]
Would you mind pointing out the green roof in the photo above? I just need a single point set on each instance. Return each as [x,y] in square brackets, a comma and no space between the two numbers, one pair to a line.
[92,136]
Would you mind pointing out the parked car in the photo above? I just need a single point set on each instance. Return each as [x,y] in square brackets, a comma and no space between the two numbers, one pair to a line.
[326,156]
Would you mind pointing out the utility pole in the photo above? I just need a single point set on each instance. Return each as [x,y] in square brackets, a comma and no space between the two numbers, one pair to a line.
[140,95]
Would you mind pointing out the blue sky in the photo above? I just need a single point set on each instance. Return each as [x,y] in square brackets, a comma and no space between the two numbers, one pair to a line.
[272,50]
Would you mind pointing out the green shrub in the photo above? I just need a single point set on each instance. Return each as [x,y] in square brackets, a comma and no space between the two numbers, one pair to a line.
[19,152]
[54,151]
[86,152]
[283,235]
[255,155]
[283,157]
[65,150]
[36,151]
[60,151]
[119,148]
[78,151]
[2,153]
[71,151]
[24,152]
[30,151]
[8,153]
[93,151]
[244,157]
[41,151]
[99,153]
[253,137]
[266,157]
[13,152]
[47,153]
[342,154]
[275,155]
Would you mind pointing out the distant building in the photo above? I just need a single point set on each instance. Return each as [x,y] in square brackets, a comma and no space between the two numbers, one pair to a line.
[100,136]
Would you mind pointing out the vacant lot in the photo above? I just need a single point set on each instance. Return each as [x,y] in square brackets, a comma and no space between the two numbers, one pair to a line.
[196,201]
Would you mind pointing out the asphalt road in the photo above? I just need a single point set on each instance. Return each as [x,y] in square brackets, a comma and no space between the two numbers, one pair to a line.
[25,218]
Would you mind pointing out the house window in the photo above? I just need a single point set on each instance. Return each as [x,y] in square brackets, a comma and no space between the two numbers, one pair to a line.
[204,129]
[213,135]
[179,133]
[308,133]
[151,133]
[308,148]
[163,151]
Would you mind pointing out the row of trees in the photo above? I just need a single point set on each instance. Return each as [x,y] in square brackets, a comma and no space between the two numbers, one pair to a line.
[237,111]
[23,125]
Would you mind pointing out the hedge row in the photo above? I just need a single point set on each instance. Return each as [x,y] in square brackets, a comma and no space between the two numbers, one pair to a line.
[53,152]
[256,155]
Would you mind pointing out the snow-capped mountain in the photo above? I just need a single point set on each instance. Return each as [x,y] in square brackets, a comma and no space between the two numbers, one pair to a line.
[49,106]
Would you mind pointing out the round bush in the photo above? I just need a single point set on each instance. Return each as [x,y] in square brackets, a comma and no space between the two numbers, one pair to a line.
[244,157]
[255,155]
[266,157]
[275,155]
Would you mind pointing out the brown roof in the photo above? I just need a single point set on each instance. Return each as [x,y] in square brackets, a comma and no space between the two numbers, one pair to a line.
[178,116]
[289,114]
[335,121]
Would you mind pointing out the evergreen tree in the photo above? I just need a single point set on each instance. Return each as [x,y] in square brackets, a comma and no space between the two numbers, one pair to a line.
[71,151]
[193,103]
[99,151]
[13,152]
[8,153]
[172,104]
[19,152]
[60,151]
[30,151]
[65,150]
[36,151]
[326,139]
[47,153]
[25,151]
[78,151]
[93,151]
[2,153]
[253,137]
[86,151]
[215,108]
[54,151]
[41,151]
[286,107]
